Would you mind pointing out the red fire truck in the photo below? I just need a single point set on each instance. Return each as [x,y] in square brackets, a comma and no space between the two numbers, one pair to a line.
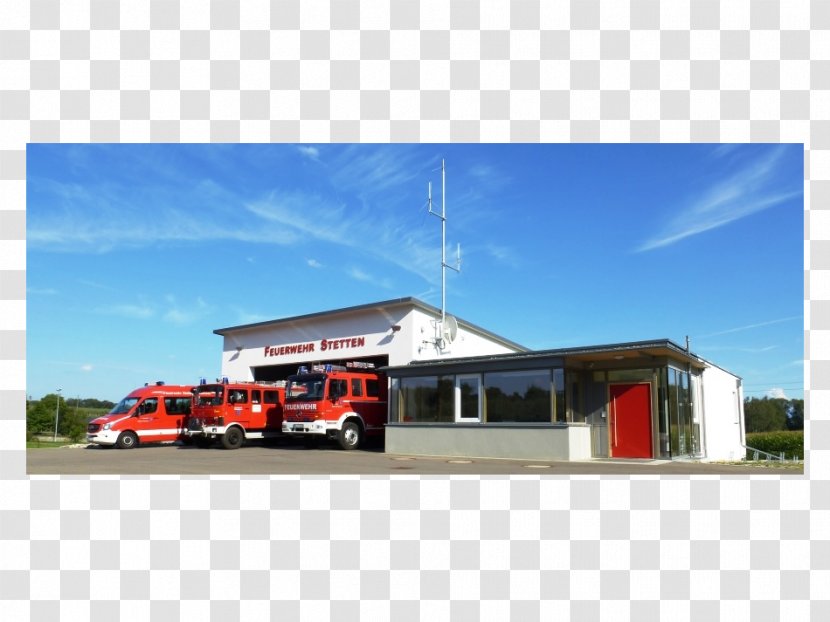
[152,413]
[235,411]
[346,403]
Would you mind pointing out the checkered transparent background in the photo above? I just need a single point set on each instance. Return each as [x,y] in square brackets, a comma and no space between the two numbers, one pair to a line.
[403,548]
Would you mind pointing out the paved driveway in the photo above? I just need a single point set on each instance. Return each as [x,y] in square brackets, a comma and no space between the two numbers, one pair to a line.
[294,459]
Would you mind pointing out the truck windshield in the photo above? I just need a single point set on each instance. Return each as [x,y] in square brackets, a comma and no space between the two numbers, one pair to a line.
[305,388]
[209,395]
[124,406]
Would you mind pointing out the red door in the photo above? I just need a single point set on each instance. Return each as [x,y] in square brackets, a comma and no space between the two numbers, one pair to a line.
[630,420]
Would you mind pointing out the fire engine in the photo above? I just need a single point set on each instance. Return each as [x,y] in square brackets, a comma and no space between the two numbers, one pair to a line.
[235,411]
[346,403]
[152,413]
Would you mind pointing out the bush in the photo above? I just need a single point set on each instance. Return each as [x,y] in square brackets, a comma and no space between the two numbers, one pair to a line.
[791,443]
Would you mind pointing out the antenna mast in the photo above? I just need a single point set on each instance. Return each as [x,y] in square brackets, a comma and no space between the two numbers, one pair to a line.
[444,264]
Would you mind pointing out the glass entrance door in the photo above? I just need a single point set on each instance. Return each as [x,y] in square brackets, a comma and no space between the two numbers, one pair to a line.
[468,399]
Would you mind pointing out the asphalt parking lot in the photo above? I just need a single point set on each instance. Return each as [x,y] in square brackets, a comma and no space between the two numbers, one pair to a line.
[286,458]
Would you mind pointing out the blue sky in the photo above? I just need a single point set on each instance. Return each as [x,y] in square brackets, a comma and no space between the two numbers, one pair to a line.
[136,253]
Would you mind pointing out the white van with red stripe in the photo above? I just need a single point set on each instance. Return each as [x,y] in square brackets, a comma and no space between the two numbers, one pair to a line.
[150,414]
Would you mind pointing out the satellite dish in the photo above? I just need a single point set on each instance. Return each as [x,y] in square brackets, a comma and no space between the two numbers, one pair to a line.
[450,329]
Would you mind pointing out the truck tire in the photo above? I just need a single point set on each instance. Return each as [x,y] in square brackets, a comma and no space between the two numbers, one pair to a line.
[127,440]
[349,437]
[233,438]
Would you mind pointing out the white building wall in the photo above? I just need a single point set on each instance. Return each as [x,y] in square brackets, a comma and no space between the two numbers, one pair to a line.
[423,327]
[357,335]
[723,415]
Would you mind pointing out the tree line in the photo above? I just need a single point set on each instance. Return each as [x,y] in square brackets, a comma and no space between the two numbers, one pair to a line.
[773,414]
[73,415]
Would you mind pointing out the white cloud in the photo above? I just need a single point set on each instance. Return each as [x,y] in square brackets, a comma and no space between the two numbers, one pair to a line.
[87,367]
[777,393]
[309,152]
[359,275]
[129,311]
[313,263]
[749,190]
[192,312]
[751,326]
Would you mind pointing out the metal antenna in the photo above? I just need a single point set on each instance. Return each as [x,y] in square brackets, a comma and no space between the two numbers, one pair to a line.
[444,264]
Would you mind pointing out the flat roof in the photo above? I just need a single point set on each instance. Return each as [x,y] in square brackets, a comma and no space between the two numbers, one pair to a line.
[395,302]
[616,352]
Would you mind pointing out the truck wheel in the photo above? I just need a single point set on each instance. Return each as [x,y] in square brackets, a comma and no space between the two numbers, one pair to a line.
[127,440]
[349,437]
[233,438]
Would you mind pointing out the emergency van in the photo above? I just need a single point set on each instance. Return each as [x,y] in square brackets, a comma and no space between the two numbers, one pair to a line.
[150,414]
[235,411]
[344,403]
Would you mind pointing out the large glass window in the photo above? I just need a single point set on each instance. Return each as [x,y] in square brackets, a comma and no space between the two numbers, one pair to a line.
[469,398]
[428,399]
[663,414]
[684,430]
[574,407]
[559,386]
[522,397]
[177,405]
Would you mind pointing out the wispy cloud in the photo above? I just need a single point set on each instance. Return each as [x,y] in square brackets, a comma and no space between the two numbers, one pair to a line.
[365,199]
[738,329]
[191,312]
[312,153]
[129,311]
[171,312]
[244,316]
[750,189]
[105,216]
[41,291]
[360,275]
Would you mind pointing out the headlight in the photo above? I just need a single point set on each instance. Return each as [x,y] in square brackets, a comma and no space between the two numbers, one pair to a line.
[107,426]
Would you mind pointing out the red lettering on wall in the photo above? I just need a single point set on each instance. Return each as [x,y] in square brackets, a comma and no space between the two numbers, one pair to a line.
[305,348]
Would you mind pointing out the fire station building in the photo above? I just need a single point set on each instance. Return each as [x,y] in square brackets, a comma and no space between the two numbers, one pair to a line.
[456,389]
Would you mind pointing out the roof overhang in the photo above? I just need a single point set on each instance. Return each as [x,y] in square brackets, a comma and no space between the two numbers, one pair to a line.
[377,307]
[620,355]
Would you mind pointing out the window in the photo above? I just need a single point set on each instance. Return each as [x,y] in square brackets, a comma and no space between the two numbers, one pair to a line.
[149,406]
[177,405]
[272,397]
[256,396]
[357,387]
[338,388]
[559,385]
[209,395]
[238,396]
[469,398]
[372,387]
[429,399]
[520,397]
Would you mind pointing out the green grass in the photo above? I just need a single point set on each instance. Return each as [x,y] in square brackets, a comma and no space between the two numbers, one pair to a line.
[36,444]
[764,464]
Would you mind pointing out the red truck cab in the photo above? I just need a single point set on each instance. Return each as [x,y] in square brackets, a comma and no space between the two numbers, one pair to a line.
[345,403]
[235,411]
[150,414]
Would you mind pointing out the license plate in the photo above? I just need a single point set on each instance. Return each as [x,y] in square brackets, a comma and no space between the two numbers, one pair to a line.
[299,428]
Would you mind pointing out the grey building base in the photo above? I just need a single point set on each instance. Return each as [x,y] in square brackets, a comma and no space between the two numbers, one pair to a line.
[528,442]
